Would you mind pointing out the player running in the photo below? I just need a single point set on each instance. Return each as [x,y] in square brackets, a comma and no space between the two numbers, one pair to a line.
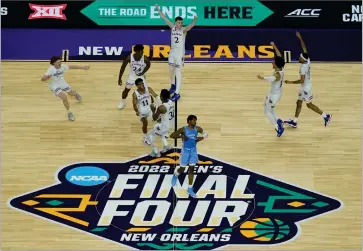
[275,94]
[305,93]
[189,154]
[142,101]
[139,65]
[177,51]
[57,83]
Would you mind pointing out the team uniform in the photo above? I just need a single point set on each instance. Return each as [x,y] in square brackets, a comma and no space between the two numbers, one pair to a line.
[189,155]
[57,83]
[136,67]
[177,51]
[162,128]
[305,92]
[275,91]
[144,104]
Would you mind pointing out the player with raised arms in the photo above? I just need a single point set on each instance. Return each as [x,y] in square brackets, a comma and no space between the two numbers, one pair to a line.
[163,114]
[177,51]
[305,93]
[57,83]
[142,100]
[275,93]
[189,154]
[139,65]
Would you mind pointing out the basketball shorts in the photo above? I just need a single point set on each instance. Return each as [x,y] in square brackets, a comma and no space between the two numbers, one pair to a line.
[188,157]
[58,88]
[145,112]
[160,130]
[272,99]
[176,60]
[131,80]
[305,94]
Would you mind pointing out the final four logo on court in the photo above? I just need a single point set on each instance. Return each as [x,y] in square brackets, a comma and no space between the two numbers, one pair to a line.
[134,204]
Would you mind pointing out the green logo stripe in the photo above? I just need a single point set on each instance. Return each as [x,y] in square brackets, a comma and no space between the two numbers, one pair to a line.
[292,196]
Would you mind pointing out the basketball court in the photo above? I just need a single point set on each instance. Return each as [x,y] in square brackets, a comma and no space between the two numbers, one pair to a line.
[228,99]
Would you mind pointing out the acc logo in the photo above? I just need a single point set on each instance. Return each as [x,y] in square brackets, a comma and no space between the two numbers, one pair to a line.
[47,11]
[304,13]
[134,205]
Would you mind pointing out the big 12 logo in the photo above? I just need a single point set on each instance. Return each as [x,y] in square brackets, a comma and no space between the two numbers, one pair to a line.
[47,11]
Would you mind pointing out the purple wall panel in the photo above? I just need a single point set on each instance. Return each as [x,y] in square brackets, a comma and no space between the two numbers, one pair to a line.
[41,44]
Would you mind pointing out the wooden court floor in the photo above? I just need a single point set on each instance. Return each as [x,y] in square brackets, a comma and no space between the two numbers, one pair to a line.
[228,99]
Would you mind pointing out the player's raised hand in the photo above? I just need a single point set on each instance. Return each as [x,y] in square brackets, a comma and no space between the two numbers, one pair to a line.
[259,77]
[298,34]
[157,6]
[86,67]
[272,43]
[195,17]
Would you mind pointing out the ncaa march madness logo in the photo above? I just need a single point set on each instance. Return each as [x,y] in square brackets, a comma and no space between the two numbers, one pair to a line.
[133,204]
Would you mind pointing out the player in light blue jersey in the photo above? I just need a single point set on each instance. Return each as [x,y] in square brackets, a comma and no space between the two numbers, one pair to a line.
[189,154]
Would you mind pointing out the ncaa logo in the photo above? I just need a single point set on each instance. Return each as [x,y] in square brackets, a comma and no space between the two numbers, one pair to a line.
[87,176]
[134,205]
[47,11]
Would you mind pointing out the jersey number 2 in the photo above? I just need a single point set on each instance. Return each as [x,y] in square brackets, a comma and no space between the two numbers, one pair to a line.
[176,40]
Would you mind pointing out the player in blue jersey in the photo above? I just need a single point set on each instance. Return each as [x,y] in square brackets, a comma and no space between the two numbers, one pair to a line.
[189,154]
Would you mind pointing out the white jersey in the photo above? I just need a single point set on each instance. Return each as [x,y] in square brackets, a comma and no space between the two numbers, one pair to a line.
[305,70]
[136,66]
[177,41]
[143,100]
[57,78]
[167,117]
[276,86]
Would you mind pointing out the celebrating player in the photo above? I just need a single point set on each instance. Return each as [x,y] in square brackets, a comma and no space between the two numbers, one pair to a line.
[163,114]
[57,83]
[139,65]
[176,56]
[275,94]
[305,93]
[142,101]
[189,154]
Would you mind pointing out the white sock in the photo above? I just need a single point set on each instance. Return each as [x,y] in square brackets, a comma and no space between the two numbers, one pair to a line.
[323,114]
[295,119]
[164,141]
[178,79]
[172,74]
[123,100]
[176,173]
[151,137]
[270,116]
[274,114]
[190,186]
